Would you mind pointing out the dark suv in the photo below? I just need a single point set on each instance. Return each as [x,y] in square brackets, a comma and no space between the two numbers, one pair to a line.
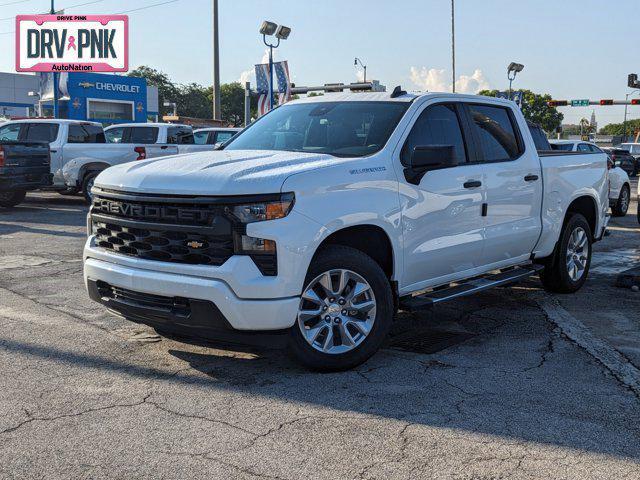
[627,162]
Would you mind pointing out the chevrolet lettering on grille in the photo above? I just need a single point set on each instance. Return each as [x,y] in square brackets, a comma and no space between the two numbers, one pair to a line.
[150,212]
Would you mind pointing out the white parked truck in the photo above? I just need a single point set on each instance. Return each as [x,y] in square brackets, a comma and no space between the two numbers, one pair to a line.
[619,184]
[159,139]
[78,150]
[321,219]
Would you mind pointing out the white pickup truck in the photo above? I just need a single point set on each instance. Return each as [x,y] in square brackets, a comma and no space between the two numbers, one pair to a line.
[78,149]
[321,219]
[159,139]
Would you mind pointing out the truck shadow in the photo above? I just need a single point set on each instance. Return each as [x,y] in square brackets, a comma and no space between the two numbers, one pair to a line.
[512,378]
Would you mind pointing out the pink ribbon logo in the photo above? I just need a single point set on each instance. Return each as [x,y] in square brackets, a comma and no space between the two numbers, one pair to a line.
[72,43]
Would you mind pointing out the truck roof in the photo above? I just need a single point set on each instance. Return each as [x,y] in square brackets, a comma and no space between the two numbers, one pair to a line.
[55,120]
[386,97]
[148,124]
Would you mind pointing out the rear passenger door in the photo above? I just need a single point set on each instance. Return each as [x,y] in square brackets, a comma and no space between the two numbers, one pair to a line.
[442,219]
[513,184]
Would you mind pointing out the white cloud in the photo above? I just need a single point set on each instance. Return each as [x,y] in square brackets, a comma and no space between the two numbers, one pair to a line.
[249,75]
[435,80]
[473,83]
[429,79]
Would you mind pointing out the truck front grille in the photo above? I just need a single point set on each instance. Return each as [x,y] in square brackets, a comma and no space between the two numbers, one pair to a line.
[164,244]
[179,230]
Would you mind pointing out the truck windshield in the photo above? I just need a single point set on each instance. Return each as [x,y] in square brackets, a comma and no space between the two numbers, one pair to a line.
[341,129]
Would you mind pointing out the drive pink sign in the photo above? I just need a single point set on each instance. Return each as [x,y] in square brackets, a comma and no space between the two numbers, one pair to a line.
[72,43]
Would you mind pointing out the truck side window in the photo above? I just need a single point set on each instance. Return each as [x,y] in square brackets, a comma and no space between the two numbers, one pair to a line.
[180,135]
[42,132]
[200,138]
[436,125]
[10,133]
[143,135]
[114,135]
[86,134]
[583,147]
[496,133]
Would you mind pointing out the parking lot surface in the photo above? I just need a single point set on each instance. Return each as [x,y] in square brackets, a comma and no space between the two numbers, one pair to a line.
[513,383]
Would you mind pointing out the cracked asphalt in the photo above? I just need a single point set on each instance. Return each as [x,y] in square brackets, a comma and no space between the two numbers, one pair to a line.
[529,386]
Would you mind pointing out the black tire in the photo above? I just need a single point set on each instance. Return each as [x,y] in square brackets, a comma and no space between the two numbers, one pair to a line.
[555,276]
[87,183]
[11,199]
[622,204]
[339,257]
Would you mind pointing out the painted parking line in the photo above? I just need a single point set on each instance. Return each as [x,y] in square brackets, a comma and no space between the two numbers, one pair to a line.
[578,332]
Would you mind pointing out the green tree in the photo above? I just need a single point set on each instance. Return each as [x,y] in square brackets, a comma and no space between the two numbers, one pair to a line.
[167,90]
[194,101]
[618,128]
[535,109]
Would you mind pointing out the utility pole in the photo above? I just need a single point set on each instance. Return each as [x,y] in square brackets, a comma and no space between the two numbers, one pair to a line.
[247,104]
[216,64]
[56,79]
[453,48]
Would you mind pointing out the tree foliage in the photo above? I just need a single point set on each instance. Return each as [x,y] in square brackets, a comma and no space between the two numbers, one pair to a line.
[618,128]
[195,100]
[535,109]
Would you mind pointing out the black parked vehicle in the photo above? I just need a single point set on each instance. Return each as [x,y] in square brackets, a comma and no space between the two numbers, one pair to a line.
[24,166]
[627,161]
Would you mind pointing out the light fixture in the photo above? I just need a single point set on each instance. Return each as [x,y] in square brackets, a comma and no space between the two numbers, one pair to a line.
[282,32]
[268,28]
[515,67]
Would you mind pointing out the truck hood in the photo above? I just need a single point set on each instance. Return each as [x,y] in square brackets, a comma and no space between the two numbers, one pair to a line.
[221,172]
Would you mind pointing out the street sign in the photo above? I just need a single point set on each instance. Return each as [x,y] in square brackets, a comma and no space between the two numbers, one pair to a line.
[72,43]
[580,103]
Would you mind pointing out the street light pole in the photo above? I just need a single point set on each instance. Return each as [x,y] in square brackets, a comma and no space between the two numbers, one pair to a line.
[216,64]
[624,123]
[56,79]
[271,47]
[453,48]
[364,67]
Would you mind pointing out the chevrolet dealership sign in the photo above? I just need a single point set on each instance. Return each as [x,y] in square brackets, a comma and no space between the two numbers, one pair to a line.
[72,43]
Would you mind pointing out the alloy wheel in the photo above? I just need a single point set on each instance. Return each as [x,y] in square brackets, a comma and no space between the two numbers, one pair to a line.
[337,311]
[577,253]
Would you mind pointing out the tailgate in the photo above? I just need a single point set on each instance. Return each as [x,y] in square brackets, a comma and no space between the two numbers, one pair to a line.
[25,154]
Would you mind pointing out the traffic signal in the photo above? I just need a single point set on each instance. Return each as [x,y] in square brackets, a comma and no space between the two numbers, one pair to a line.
[606,102]
[558,103]
[635,101]
[632,81]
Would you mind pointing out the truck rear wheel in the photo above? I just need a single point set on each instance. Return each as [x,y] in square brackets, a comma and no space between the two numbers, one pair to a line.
[345,312]
[622,204]
[87,185]
[567,270]
[11,199]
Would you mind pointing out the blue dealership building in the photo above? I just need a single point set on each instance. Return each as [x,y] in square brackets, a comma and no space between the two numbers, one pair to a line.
[104,98]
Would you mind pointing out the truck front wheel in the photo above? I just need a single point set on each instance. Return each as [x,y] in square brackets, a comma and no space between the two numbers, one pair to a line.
[11,199]
[346,311]
[87,185]
[567,270]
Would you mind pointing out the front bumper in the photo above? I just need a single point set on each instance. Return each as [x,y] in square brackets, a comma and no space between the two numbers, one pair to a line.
[238,314]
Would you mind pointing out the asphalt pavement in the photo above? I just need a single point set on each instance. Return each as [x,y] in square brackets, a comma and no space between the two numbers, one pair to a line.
[513,383]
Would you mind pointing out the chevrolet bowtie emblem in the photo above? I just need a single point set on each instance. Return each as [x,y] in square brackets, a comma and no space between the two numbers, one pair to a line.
[195,244]
[86,84]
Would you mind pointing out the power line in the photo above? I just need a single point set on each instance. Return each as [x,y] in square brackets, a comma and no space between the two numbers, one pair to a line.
[148,6]
[63,8]
[13,3]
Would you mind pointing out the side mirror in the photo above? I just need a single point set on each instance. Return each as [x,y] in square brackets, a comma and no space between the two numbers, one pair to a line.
[425,158]
[618,163]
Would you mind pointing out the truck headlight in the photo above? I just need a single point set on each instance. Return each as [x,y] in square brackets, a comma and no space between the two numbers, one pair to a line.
[264,210]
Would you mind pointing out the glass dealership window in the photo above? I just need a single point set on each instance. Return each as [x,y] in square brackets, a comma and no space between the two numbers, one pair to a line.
[110,110]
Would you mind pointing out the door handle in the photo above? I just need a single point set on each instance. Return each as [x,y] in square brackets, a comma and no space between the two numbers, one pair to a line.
[164,147]
[531,178]
[53,151]
[472,184]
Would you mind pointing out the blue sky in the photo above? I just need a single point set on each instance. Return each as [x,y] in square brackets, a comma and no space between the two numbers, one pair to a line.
[571,48]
